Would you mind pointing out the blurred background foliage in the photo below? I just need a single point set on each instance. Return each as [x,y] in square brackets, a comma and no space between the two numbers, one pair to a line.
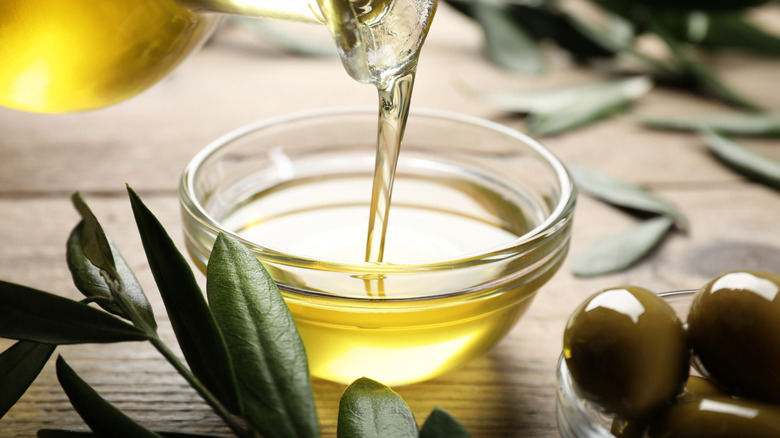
[633,46]
[605,30]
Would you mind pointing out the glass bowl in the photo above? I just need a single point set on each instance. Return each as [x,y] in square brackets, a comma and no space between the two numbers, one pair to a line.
[481,218]
[577,417]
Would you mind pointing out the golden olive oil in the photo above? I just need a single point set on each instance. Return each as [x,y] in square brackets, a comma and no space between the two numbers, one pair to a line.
[324,218]
[379,319]
[393,113]
[74,55]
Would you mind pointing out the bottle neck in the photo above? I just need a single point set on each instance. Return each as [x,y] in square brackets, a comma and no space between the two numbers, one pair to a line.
[366,32]
[305,11]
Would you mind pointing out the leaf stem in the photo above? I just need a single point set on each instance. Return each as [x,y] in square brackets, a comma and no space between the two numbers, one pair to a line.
[196,384]
[141,323]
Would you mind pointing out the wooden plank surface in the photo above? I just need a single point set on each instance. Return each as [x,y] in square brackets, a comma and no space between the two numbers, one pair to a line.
[237,79]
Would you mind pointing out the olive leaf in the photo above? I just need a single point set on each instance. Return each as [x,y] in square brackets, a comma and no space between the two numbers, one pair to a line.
[547,22]
[196,329]
[685,69]
[697,71]
[525,102]
[511,26]
[619,35]
[736,31]
[20,364]
[561,109]
[747,162]
[616,34]
[440,424]
[101,416]
[33,315]
[558,98]
[719,29]
[369,409]
[513,30]
[598,103]
[507,44]
[99,270]
[267,351]
[621,251]
[94,243]
[624,194]
[738,124]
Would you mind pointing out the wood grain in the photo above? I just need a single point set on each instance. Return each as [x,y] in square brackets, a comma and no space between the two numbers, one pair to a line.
[510,392]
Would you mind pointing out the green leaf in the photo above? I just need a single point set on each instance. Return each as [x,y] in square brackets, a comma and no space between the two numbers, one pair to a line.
[197,332]
[33,315]
[99,270]
[267,351]
[101,416]
[369,409]
[547,21]
[624,194]
[619,35]
[20,364]
[558,98]
[702,76]
[440,424]
[94,242]
[589,106]
[721,30]
[739,124]
[539,101]
[616,34]
[536,21]
[121,291]
[747,162]
[623,250]
[61,433]
[735,31]
[507,44]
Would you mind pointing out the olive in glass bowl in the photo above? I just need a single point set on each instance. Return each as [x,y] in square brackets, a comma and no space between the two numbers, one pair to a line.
[730,390]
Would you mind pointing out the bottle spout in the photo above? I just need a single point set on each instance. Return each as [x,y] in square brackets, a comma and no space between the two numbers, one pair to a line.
[378,39]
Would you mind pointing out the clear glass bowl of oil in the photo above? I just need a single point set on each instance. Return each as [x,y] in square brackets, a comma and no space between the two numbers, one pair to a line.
[480,219]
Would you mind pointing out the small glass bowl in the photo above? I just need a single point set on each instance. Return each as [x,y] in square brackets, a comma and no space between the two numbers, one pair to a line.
[418,314]
[577,417]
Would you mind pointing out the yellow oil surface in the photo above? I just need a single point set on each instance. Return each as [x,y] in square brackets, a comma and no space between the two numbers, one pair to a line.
[403,345]
[400,321]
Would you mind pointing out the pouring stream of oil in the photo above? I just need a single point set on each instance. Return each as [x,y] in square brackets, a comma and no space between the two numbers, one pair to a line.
[379,43]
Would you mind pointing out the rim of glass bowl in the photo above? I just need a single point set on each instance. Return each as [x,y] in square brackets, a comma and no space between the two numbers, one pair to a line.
[575,414]
[553,223]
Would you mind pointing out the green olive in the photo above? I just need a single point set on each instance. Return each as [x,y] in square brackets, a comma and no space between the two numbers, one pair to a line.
[695,389]
[734,330]
[716,417]
[626,351]
[634,428]
[698,388]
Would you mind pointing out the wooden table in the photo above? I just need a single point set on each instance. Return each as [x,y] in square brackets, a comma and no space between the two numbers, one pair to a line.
[237,79]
